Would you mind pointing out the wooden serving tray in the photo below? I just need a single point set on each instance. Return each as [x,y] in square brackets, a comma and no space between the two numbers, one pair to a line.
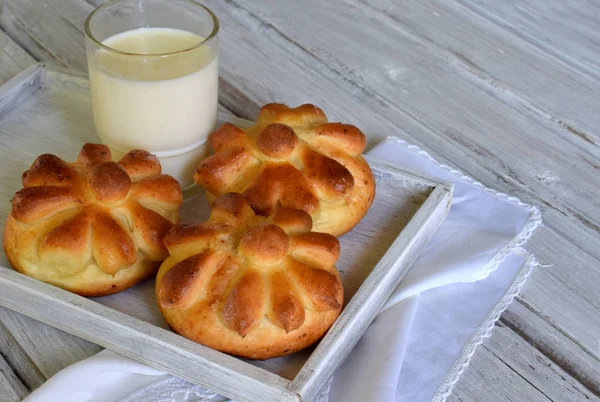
[45,110]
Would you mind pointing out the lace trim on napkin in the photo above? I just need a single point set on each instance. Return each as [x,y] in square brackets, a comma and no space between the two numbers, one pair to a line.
[512,247]
[484,330]
[534,221]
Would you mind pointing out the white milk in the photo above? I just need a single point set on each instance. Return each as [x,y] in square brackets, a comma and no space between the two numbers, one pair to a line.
[165,105]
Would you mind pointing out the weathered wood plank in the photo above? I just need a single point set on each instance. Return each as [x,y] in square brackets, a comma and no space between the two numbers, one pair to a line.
[305,79]
[567,30]
[507,368]
[546,376]
[513,69]
[12,58]
[11,388]
[50,31]
[552,344]
[564,293]
[43,344]
[15,353]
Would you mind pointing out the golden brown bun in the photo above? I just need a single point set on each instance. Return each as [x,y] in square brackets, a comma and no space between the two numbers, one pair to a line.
[94,226]
[247,285]
[293,158]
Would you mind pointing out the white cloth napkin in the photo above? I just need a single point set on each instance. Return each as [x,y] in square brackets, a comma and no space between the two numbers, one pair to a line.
[420,342]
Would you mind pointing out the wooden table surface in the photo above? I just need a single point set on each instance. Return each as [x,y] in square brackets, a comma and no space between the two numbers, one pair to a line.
[506,91]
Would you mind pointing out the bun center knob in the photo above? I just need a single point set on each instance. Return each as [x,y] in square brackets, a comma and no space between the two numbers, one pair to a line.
[277,141]
[265,244]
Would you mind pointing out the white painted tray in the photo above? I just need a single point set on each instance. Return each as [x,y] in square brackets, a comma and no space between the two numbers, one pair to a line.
[44,110]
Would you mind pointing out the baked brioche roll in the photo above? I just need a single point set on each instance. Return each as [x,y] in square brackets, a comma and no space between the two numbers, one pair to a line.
[248,285]
[293,158]
[94,226]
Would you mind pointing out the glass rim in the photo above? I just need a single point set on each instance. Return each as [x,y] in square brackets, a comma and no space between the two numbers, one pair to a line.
[88,32]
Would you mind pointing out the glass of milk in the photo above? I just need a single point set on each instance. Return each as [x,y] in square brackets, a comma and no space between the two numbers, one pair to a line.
[154,76]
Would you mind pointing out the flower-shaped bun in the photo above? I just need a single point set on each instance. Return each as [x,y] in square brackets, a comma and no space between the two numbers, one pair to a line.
[248,285]
[95,226]
[295,159]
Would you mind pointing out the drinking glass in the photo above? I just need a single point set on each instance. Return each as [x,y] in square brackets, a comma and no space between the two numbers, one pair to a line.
[153,68]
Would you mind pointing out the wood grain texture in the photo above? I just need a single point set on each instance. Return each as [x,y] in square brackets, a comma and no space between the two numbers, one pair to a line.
[559,349]
[507,368]
[515,70]
[41,343]
[13,58]
[564,292]
[11,388]
[566,30]
[544,39]
[49,30]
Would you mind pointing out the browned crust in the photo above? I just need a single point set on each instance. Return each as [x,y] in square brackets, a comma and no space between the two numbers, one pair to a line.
[287,311]
[74,224]
[109,182]
[228,136]
[331,179]
[258,301]
[113,247]
[73,235]
[243,308]
[151,229]
[323,288]
[49,170]
[303,115]
[34,203]
[281,185]
[94,154]
[342,136]
[293,158]
[219,171]
[315,248]
[277,140]
[264,244]
[140,164]
[185,233]
[231,208]
[181,285]
[143,270]
[292,221]
[163,188]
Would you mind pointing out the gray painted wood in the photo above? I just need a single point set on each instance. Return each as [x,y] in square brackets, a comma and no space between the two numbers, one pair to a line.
[566,30]
[549,378]
[27,22]
[543,39]
[507,368]
[13,59]
[516,71]
[11,388]
[561,351]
